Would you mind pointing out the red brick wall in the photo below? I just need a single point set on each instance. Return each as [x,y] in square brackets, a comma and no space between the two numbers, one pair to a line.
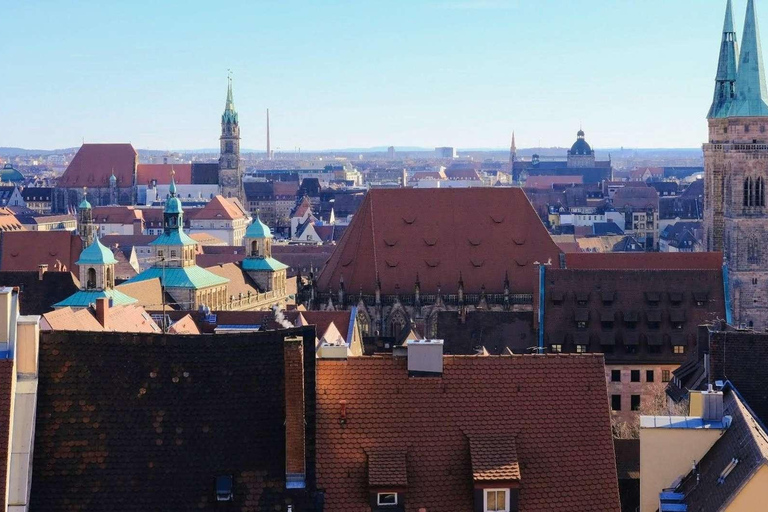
[294,406]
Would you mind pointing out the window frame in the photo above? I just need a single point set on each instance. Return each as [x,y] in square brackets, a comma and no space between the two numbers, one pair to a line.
[632,374]
[380,504]
[666,375]
[496,490]
[632,406]
[615,373]
[615,408]
[652,375]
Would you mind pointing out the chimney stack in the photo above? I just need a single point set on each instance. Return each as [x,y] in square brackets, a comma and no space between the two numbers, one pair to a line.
[712,404]
[425,358]
[102,306]
[41,269]
[295,458]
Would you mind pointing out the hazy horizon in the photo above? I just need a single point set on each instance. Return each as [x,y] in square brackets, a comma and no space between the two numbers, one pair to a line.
[360,74]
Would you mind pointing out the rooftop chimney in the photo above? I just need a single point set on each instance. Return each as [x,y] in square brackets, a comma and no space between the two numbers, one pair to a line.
[712,404]
[41,269]
[295,460]
[102,306]
[425,358]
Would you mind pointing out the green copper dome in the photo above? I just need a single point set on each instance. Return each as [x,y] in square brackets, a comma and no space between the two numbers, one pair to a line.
[258,229]
[84,205]
[96,254]
[173,204]
[9,174]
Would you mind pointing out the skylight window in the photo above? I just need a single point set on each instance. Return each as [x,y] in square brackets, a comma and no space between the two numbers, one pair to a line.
[727,471]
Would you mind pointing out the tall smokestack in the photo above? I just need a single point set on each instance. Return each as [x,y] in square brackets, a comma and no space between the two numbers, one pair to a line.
[269,149]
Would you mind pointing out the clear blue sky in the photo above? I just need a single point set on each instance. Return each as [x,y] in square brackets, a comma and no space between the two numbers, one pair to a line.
[360,73]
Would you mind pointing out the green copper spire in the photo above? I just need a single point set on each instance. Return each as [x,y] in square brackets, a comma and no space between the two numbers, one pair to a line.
[230,114]
[725,81]
[751,92]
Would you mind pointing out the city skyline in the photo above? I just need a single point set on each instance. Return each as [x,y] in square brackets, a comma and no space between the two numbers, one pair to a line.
[330,83]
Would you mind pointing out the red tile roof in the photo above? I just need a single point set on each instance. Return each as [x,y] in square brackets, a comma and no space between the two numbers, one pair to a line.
[25,250]
[387,468]
[6,393]
[93,165]
[646,260]
[547,182]
[554,406]
[131,318]
[494,458]
[186,325]
[145,173]
[116,215]
[217,208]
[478,234]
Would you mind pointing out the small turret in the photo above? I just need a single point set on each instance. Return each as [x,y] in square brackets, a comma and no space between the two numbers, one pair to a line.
[725,80]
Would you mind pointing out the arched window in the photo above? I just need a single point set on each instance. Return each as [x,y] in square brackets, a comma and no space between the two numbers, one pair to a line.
[110,279]
[91,281]
[254,248]
[760,192]
[753,251]
[749,193]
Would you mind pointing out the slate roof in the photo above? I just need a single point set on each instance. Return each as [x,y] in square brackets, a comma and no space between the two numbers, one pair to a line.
[606,228]
[206,173]
[478,234]
[566,459]
[159,430]
[648,260]
[36,194]
[746,440]
[94,163]
[37,296]
[497,331]
[631,308]
[7,370]
[25,250]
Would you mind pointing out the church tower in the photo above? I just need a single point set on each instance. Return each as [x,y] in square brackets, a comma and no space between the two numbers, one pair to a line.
[85,227]
[512,158]
[230,175]
[736,170]
[268,273]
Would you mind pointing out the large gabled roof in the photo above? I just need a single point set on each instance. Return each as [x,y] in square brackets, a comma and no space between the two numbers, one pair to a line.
[441,235]
[554,407]
[646,260]
[25,250]
[93,165]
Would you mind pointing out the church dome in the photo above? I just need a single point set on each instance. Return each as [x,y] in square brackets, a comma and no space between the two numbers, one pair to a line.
[258,229]
[9,174]
[96,254]
[84,205]
[580,147]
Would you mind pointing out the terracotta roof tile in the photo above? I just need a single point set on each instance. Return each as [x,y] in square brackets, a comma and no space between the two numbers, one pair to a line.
[116,215]
[184,326]
[93,165]
[547,182]
[478,234]
[145,173]
[494,458]
[647,260]
[554,406]
[387,468]
[217,208]
[25,250]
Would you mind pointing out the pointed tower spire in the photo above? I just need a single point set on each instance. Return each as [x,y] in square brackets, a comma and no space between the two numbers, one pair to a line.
[751,91]
[725,80]
[269,148]
[230,105]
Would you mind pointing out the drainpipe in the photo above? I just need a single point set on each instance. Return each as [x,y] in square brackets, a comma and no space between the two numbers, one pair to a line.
[727,294]
[542,271]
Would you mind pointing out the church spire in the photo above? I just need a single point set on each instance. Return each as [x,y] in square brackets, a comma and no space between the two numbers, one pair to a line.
[725,80]
[751,92]
[230,114]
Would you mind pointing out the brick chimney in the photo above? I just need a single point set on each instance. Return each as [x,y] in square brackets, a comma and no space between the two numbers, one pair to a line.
[102,307]
[41,269]
[295,457]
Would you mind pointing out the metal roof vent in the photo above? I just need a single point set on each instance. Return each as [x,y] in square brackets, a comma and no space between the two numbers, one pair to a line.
[425,358]
[224,488]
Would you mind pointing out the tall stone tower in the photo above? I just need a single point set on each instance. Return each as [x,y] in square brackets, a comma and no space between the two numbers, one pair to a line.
[512,158]
[85,226]
[736,170]
[230,175]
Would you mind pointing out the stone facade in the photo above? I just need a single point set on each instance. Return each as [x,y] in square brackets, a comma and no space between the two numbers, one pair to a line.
[736,171]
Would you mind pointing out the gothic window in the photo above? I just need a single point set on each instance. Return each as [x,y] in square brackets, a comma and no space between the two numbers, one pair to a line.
[397,322]
[749,192]
[91,281]
[753,251]
[759,192]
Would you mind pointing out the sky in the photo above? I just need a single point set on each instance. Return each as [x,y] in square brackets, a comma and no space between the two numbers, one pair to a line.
[361,73]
